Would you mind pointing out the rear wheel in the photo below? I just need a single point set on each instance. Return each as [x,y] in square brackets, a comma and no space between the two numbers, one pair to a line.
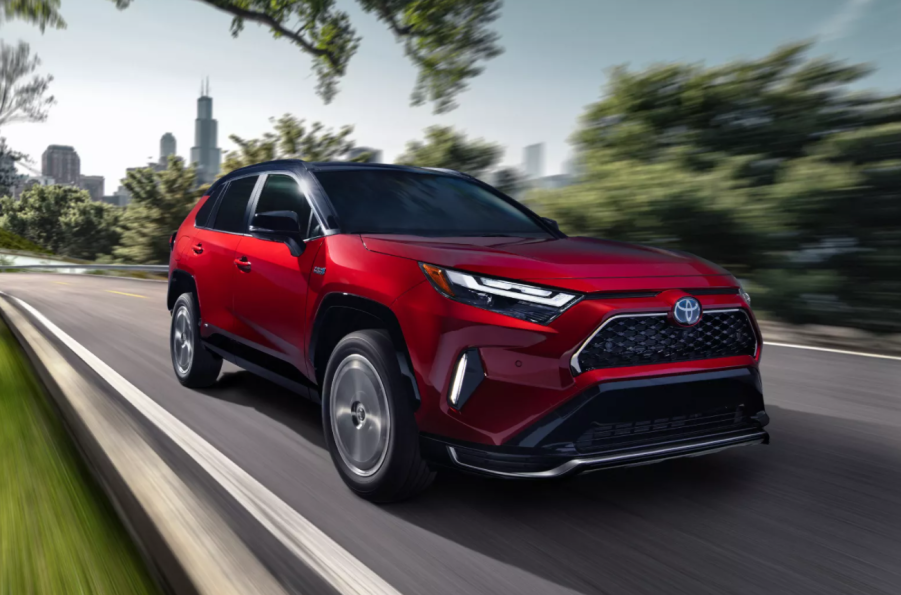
[369,427]
[194,366]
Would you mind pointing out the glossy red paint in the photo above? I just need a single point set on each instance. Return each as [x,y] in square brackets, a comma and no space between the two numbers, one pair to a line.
[273,307]
[513,396]
[525,258]
[270,290]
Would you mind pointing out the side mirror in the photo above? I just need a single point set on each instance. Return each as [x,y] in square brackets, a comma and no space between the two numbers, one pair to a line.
[279,226]
[551,222]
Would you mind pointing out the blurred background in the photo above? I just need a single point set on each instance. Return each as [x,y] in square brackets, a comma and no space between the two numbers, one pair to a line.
[762,136]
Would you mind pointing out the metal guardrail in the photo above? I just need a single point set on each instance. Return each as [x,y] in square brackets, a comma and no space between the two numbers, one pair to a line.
[153,268]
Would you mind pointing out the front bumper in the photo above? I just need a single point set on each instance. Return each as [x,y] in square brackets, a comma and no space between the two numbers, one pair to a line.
[624,423]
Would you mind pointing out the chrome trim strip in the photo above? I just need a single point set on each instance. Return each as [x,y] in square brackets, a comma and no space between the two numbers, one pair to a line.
[664,454]
[574,360]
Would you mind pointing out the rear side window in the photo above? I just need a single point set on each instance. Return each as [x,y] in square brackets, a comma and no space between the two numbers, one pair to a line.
[203,213]
[233,206]
[281,193]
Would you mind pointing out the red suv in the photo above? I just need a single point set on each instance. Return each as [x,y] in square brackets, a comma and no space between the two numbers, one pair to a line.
[442,324]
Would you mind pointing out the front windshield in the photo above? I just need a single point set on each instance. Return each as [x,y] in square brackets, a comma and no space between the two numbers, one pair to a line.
[413,203]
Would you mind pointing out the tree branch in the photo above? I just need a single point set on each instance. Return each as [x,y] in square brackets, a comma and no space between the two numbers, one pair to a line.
[265,19]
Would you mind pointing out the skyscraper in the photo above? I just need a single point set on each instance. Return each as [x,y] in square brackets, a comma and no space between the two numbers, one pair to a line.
[205,152]
[94,186]
[61,163]
[534,161]
[167,147]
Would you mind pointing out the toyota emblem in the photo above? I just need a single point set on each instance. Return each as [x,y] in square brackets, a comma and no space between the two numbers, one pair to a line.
[687,311]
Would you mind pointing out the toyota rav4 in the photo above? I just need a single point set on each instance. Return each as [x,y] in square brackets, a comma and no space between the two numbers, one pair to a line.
[441,323]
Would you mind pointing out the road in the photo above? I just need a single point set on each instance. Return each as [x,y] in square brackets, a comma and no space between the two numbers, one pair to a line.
[818,511]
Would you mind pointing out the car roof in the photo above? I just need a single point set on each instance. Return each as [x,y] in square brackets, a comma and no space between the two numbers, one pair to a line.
[298,166]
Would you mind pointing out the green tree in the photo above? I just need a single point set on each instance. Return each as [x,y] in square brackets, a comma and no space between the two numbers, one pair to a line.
[448,41]
[509,180]
[9,177]
[777,168]
[63,219]
[22,96]
[291,139]
[160,201]
[445,147]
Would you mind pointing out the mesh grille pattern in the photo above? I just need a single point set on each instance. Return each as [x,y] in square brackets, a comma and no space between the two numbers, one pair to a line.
[653,431]
[641,340]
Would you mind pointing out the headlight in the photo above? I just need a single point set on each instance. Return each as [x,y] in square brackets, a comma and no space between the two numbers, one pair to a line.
[743,293]
[526,302]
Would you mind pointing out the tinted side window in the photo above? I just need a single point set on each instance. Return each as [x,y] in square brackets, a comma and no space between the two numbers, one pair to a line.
[203,213]
[281,193]
[233,206]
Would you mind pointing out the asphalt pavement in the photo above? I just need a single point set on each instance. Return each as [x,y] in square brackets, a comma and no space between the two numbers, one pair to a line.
[817,511]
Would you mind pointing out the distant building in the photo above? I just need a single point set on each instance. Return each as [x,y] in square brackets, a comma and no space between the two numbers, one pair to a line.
[61,163]
[123,196]
[167,148]
[205,152]
[375,155]
[574,167]
[533,161]
[94,186]
[111,199]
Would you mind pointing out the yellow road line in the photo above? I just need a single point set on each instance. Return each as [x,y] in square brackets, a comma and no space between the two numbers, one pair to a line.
[60,283]
[128,294]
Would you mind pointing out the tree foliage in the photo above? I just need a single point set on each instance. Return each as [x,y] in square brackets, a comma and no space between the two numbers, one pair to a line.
[774,167]
[445,147]
[160,201]
[9,176]
[291,138]
[22,96]
[43,13]
[509,180]
[63,219]
[448,41]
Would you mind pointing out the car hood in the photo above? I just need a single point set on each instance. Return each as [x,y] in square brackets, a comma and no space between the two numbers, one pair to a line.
[525,258]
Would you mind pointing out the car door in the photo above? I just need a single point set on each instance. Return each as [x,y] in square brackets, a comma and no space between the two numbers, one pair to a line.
[271,285]
[212,252]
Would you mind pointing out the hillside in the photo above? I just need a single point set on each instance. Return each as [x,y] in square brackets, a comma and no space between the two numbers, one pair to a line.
[10,241]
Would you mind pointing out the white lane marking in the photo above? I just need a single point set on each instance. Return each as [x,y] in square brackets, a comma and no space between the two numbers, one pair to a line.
[828,350]
[329,560]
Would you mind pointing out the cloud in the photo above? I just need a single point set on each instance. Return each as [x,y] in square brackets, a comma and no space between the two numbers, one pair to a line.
[842,22]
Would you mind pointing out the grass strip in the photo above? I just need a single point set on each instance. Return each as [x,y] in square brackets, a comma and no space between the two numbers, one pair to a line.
[58,532]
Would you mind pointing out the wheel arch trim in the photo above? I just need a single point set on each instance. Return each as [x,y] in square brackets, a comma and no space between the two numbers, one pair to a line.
[333,302]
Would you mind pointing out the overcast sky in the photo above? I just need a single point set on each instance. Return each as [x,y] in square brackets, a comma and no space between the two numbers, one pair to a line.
[123,78]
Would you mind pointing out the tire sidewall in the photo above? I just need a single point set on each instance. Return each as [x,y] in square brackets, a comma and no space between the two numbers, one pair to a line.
[184,301]
[374,346]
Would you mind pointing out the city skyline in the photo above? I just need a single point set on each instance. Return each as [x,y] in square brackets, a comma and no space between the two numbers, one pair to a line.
[534,92]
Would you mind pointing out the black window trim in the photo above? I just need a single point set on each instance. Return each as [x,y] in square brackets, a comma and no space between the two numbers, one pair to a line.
[300,187]
[252,200]
[214,195]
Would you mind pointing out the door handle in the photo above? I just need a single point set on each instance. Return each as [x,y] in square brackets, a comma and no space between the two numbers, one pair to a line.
[243,264]
[198,248]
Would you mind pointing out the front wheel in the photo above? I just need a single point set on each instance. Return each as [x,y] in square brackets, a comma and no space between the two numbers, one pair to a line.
[369,427]
[194,366]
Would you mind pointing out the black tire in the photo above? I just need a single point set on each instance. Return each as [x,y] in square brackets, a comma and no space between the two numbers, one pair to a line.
[200,368]
[402,472]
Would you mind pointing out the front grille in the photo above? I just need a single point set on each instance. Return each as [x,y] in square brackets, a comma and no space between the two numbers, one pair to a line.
[641,340]
[609,436]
